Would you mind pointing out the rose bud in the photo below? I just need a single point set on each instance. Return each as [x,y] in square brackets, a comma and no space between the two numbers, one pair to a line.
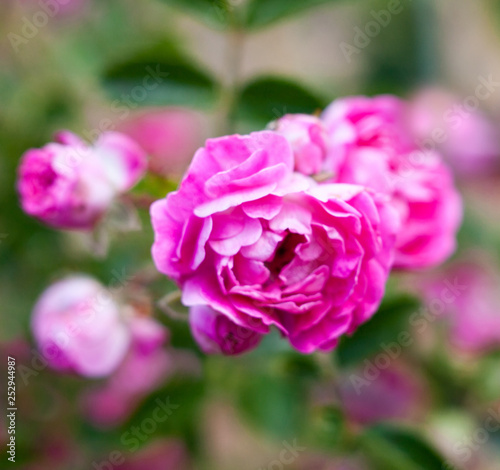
[78,327]
[69,185]
[217,334]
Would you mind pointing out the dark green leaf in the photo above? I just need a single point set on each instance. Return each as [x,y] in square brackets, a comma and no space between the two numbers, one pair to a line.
[261,13]
[385,327]
[267,99]
[159,77]
[216,13]
[391,448]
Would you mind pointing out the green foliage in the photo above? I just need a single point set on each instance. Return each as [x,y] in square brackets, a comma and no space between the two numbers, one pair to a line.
[391,448]
[385,326]
[268,98]
[261,13]
[216,13]
[159,76]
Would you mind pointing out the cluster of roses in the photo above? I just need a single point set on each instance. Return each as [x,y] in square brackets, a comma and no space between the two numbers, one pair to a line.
[299,226]
[296,227]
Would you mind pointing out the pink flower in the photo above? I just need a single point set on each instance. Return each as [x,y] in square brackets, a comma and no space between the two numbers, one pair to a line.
[70,185]
[78,328]
[265,246]
[145,367]
[468,139]
[474,314]
[217,334]
[169,136]
[371,138]
[396,394]
[308,138]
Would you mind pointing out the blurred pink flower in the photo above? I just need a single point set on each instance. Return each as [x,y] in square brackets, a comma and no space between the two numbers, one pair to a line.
[309,141]
[474,318]
[70,185]
[396,394]
[372,140]
[78,327]
[265,246]
[467,139]
[217,334]
[169,136]
[56,8]
[146,366]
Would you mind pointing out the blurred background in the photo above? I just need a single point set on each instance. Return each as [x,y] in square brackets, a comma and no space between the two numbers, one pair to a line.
[172,73]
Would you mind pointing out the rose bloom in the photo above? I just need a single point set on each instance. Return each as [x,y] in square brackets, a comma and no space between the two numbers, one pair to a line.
[78,327]
[265,246]
[372,139]
[69,185]
[309,140]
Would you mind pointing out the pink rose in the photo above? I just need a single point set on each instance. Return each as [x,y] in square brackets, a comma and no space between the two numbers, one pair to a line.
[371,138]
[78,327]
[265,246]
[217,334]
[309,140]
[70,185]
[145,368]
[169,136]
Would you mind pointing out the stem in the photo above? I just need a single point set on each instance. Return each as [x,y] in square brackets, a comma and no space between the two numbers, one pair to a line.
[165,305]
[236,39]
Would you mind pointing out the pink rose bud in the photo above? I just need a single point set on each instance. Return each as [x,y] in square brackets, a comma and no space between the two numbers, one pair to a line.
[217,334]
[69,185]
[372,140]
[265,246]
[309,140]
[147,365]
[169,136]
[78,327]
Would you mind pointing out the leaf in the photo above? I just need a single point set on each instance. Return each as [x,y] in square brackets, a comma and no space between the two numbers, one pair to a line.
[261,13]
[159,77]
[215,13]
[387,324]
[269,98]
[272,404]
[392,448]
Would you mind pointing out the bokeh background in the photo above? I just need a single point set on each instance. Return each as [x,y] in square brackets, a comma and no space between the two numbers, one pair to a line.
[223,66]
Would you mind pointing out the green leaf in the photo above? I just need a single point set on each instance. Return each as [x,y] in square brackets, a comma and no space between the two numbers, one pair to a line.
[269,98]
[391,448]
[159,77]
[215,13]
[273,404]
[386,326]
[262,13]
